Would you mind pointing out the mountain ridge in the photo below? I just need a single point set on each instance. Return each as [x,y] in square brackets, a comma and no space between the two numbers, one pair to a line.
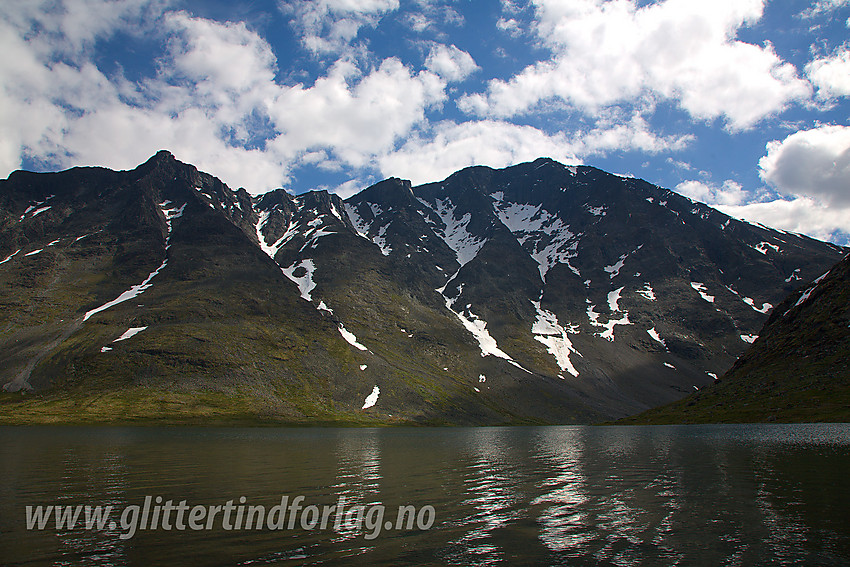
[534,293]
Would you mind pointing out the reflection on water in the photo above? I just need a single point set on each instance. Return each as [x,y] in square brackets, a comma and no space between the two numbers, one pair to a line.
[714,495]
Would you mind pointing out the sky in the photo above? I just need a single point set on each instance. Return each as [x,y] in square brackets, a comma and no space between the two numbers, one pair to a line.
[741,104]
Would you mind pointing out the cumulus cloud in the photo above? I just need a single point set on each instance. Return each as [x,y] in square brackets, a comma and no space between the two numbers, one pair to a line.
[822,7]
[329,26]
[214,102]
[812,163]
[606,53]
[831,75]
[801,215]
[451,146]
[729,193]
[353,116]
[450,62]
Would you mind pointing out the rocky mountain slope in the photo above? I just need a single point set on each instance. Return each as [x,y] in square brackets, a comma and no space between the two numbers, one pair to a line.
[798,370]
[535,293]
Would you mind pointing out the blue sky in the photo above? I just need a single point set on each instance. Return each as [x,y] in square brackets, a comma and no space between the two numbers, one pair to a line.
[742,104]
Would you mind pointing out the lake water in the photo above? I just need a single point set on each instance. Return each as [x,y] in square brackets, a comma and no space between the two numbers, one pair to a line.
[685,495]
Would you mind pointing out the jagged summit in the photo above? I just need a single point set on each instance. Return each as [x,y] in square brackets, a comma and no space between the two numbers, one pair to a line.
[534,293]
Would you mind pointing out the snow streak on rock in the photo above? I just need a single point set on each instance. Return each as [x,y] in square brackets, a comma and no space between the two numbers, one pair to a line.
[795,275]
[478,328]
[765,307]
[808,292]
[131,332]
[360,224]
[136,290]
[271,250]
[543,235]
[381,241]
[10,256]
[363,226]
[547,331]
[454,233]
[647,292]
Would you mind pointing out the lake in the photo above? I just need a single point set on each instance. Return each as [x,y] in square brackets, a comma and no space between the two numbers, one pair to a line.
[570,495]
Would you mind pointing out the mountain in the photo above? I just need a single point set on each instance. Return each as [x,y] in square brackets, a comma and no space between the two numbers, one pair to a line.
[538,293]
[798,370]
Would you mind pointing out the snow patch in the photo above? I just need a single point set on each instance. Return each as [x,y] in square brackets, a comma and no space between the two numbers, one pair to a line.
[608,333]
[271,251]
[749,338]
[765,307]
[668,365]
[360,224]
[381,241]
[795,275]
[763,246]
[131,332]
[701,289]
[351,339]
[547,331]
[614,269]
[614,300]
[655,336]
[304,282]
[372,398]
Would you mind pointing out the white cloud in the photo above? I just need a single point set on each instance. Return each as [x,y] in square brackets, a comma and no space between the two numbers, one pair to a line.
[510,26]
[730,193]
[72,26]
[349,188]
[214,102]
[831,75]
[437,152]
[823,7]
[813,163]
[451,146]
[801,215]
[605,53]
[450,62]
[353,116]
[634,134]
[329,26]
